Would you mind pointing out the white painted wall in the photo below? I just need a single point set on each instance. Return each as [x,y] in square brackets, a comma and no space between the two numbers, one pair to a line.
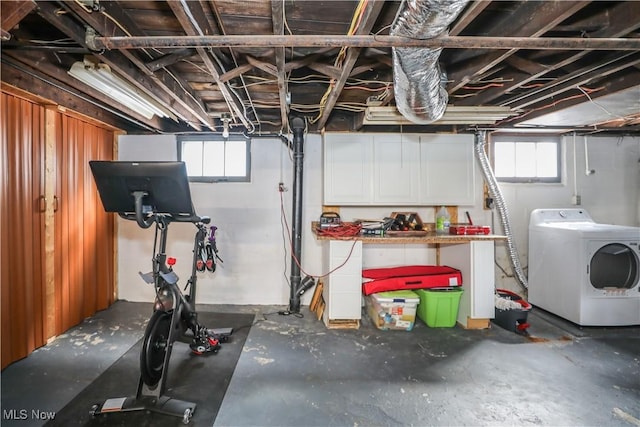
[250,235]
[248,216]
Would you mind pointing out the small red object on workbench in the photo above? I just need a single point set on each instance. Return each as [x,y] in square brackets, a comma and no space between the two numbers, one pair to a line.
[469,229]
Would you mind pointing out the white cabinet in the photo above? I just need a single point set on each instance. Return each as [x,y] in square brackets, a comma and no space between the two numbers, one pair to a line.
[348,169]
[398,169]
[342,291]
[447,176]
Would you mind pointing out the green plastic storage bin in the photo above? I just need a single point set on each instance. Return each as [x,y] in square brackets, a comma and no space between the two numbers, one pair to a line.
[438,307]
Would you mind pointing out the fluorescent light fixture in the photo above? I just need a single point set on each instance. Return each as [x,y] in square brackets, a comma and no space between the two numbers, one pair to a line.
[100,77]
[453,115]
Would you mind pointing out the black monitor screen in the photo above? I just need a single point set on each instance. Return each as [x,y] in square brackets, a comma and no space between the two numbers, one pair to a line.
[166,184]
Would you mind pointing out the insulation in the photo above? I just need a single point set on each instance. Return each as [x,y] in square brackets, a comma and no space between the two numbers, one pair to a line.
[419,83]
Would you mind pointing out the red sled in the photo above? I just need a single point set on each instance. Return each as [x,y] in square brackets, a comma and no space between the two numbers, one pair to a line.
[410,277]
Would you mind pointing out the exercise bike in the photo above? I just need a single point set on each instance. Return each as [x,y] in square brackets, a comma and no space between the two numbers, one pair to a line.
[174,316]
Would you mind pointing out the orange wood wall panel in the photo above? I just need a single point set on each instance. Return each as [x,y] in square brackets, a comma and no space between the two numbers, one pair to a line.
[21,227]
[84,246]
[84,232]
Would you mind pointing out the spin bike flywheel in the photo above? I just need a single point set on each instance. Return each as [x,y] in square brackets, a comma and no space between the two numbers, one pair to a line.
[154,347]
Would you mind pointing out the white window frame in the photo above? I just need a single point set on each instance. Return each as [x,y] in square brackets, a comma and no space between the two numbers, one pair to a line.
[205,138]
[535,139]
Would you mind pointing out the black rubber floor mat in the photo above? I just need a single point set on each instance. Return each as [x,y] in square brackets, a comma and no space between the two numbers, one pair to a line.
[199,379]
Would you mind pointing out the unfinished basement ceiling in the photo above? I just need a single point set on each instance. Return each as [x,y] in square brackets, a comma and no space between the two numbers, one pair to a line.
[561,65]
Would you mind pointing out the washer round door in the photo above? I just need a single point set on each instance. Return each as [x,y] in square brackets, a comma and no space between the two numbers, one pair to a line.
[614,266]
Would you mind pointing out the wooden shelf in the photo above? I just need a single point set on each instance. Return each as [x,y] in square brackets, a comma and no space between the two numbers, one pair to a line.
[430,238]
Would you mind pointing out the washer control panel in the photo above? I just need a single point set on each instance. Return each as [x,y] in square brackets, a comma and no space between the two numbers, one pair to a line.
[545,216]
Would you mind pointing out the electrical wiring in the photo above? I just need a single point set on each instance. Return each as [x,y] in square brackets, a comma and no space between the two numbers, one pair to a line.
[283,220]
[486,86]
[284,17]
[355,23]
[367,89]
[552,104]
[344,230]
[83,6]
[597,104]
[531,86]
[62,41]
[119,25]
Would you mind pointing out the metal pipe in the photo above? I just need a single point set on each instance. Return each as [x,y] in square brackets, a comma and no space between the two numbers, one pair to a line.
[494,189]
[449,42]
[298,126]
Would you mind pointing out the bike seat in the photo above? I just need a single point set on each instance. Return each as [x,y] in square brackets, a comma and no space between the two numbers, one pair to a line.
[205,219]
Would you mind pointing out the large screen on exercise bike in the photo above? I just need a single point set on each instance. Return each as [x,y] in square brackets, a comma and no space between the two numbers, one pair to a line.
[166,185]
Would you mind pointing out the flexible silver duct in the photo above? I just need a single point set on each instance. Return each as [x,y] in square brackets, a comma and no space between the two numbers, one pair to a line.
[419,84]
[501,206]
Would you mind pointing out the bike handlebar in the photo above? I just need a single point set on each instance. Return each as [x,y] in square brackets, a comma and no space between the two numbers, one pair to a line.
[146,219]
[151,218]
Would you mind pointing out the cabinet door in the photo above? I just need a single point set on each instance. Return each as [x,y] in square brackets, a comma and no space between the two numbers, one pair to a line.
[347,169]
[84,232]
[396,174]
[448,170]
[22,205]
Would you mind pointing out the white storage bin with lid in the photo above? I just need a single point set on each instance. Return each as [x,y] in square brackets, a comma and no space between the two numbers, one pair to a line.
[393,309]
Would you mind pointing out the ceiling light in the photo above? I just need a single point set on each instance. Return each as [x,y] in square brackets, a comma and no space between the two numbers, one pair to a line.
[453,115]
[100,77]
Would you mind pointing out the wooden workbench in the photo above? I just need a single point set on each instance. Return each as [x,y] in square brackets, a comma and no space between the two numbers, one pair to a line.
[473,255]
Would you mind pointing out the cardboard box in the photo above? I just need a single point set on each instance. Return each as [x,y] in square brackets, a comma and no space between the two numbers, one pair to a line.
[394,310]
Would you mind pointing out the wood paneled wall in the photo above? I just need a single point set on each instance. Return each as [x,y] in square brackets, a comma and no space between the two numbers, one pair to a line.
[84,246]
[57,253]
[21,227]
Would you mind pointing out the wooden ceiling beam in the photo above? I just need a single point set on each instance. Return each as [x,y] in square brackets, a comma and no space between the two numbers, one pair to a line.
[623,18]
[191,18]
[264,66]
[607,66]
[59,77]
[174,91]
[11,13]
[327,70]
[545,107]
[169,59]
[547,16]
[136,73]
[470,13]
[277,18]
[367,21]
[39,83]
[236,72]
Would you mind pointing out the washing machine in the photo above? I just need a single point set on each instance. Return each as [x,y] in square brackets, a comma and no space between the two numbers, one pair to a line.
[583,271]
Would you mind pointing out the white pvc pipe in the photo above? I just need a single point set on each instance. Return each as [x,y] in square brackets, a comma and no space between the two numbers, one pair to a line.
[587,170]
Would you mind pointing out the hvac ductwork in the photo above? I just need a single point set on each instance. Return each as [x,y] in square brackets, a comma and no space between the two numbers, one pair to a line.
[501,206]
[419,84]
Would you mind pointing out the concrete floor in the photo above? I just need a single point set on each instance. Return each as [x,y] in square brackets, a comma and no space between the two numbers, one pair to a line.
[295,372]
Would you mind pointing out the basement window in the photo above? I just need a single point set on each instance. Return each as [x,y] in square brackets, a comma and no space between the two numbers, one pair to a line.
[528,160]
[212,158]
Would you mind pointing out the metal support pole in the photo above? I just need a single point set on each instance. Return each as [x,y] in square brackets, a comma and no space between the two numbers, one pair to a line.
[297,125]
